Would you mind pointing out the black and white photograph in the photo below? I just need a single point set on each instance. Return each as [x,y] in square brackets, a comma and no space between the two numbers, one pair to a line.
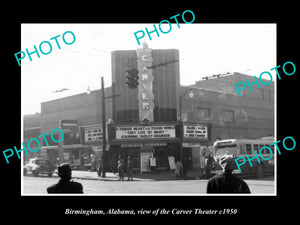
[149,111]
[157,115]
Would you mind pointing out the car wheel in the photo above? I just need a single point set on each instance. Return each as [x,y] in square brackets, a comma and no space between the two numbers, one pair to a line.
[24,172]
[49,174]
[35,173]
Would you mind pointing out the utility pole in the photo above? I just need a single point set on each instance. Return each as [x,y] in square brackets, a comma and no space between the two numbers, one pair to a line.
[103,128]
[191,94]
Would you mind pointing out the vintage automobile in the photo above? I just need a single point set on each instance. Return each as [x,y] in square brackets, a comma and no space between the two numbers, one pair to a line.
[37,166]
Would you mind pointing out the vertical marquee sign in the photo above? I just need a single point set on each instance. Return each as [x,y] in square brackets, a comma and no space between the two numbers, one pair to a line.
[145,88]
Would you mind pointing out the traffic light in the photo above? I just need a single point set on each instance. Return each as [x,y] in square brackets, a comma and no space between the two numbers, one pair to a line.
[132,78]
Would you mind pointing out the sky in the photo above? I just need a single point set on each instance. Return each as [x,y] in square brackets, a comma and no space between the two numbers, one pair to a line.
[204,50]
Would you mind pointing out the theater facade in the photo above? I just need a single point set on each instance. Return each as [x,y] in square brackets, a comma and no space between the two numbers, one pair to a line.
[147,125]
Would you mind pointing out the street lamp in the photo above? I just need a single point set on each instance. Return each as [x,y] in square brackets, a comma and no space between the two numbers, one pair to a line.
[103,128]
[88,90]
[191,95]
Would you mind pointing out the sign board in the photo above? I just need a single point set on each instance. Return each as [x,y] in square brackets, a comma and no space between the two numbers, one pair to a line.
[152,161]
[172,162]
[190,145]
[195,131]
[67,124]
[145,161]
[93,133]
[145,88]
[151,144]
[145,132]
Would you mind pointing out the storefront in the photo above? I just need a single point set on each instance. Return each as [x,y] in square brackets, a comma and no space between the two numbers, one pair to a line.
[92,137]
[196,144]
[77,155]
[156,146]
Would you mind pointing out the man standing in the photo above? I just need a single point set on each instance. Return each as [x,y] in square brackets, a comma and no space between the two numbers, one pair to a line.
[129,169]
[208,165]
[65,185]
[179,169]
[121,168]
[227,182]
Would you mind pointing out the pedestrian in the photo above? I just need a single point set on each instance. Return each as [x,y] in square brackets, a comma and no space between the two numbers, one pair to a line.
[65,185]
[129,169]
[179,169]
[121,168]
[227,182]
[208,165]
[93,162]
[113,164]
[99,171]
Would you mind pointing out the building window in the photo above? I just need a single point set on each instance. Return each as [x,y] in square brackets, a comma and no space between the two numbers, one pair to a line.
[266,94]
[255,148]
[185,117]
[243,149]
[228,116]
[203,113]
[248,149]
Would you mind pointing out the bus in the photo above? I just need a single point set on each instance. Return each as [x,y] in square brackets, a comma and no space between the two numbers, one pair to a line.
[240,147]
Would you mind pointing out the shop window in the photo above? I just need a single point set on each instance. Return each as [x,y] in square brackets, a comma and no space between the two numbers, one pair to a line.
[185,117]
[266,94]
[203,113]
[228,116]
[161,157]
[71,138]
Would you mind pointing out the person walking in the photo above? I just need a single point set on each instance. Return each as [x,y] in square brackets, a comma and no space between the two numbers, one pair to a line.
[179,168]
[121,168]
[65,185]
[129,169]
[99,170]
[227,182]
[208,166]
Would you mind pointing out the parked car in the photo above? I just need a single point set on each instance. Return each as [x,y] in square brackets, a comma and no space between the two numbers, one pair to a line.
[38,166]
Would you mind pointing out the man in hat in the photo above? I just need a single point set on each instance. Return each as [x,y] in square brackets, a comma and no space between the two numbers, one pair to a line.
[65,185]
[227,182]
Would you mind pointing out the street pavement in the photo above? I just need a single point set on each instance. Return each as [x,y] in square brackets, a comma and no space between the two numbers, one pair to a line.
[160,183]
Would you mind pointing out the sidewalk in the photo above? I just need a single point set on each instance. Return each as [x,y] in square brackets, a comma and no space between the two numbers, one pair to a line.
[147,176]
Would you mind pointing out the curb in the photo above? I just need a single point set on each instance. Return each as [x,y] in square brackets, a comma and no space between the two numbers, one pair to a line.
[113,177]
[134,179]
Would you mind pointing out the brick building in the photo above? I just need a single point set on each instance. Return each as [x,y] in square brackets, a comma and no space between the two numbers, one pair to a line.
[215,101]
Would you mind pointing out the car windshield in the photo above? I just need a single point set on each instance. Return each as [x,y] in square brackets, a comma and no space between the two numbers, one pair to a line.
[226,149]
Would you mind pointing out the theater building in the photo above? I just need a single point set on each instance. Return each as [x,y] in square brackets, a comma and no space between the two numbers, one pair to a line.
[147,124]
